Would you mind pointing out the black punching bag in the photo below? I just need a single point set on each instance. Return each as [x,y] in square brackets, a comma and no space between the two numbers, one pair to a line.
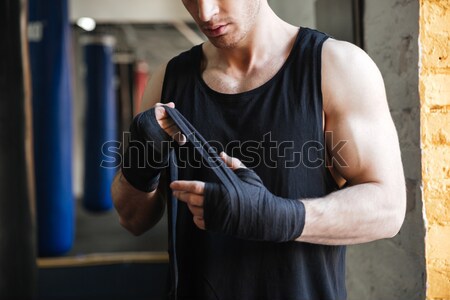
[17,237]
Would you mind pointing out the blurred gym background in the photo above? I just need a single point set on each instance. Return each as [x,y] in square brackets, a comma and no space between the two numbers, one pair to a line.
[89,62]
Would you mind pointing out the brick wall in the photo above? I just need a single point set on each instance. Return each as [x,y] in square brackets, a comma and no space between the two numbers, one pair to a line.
[435,132]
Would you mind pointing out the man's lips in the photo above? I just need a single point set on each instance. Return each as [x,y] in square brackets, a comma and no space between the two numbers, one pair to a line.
[216,30]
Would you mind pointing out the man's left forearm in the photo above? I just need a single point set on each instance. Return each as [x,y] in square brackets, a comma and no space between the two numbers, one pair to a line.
[357,214]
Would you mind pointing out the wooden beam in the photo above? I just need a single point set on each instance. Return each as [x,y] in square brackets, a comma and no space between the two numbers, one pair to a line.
[103,259]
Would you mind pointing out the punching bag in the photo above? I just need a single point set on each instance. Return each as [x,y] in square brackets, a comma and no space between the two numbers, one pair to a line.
[101,122]
[142,76]
[124,66]
[52,123]
[17,230]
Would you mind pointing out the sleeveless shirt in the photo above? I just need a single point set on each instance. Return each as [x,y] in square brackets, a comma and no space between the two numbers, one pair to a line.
[275,129]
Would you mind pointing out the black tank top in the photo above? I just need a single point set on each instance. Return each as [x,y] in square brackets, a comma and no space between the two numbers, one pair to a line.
[276,129]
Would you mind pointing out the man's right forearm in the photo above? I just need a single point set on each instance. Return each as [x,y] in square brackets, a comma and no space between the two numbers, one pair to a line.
[138,211]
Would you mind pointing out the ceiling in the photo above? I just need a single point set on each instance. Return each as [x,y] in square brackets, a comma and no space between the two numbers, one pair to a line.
[130,11]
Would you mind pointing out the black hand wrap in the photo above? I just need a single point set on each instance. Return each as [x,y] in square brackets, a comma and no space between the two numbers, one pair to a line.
[252,212]
[147,152]
[241,206]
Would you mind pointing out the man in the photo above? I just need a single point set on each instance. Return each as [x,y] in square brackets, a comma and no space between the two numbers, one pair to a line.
[275,89]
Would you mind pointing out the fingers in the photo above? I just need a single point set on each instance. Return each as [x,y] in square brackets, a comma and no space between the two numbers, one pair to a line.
[189,198]
[167,123]
[232,162]
[195,204]
[199,222]
[170,104]
[191,192]
[178,136]
[196,187]
[196,210]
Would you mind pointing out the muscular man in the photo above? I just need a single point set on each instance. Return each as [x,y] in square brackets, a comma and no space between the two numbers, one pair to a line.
[279,93]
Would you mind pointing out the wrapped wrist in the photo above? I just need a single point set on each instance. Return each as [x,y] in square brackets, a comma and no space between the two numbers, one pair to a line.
[252,212]
[147,152]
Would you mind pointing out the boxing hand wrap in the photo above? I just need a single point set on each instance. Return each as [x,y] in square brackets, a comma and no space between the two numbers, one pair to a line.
[240,205]
[251,212]
[147,153]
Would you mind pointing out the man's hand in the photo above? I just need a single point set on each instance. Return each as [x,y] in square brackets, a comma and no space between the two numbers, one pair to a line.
[167,123]
[245,210]
[192,192]
[148,150]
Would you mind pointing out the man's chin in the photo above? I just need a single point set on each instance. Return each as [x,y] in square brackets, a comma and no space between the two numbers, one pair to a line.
[223,42]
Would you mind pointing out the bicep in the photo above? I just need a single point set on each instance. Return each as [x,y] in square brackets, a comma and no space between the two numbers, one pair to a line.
[153,90]
[358,117]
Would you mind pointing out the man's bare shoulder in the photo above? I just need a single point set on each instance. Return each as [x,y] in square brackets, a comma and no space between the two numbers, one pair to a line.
[345,55]
[153,90]
[349,76]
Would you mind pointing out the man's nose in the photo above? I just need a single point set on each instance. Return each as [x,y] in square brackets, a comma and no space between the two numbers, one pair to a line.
[207,9]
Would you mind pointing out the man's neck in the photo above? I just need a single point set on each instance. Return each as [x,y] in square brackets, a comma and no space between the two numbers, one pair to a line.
[270,37]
